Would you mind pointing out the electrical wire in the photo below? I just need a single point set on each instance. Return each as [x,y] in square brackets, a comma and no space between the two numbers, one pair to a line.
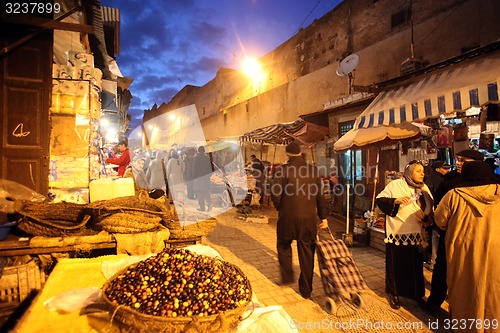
[312,10]
[440,23]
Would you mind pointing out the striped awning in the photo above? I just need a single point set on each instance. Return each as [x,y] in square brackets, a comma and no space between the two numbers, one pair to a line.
[284,133]
[458,87]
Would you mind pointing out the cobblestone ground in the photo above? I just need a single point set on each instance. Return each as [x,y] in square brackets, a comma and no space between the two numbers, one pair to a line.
[252,247]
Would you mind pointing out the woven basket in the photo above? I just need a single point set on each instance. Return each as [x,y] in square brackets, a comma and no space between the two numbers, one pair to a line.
[129,222]
[53,228]
[52,219]
[139,322]
[190,229]
[130,214]
[135,201]
[131,204]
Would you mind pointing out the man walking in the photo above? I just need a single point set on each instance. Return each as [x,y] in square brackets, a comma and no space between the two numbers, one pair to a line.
[297,194]
[202,170]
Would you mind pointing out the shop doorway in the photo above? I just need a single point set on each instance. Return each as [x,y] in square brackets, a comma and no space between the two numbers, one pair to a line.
[25,81]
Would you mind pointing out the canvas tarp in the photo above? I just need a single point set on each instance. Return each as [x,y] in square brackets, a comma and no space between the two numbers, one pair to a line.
[307,133]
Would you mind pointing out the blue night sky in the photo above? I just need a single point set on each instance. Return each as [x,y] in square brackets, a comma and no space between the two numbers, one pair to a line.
[166,45]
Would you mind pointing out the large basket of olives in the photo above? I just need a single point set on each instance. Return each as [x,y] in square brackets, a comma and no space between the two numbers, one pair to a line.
[178,291]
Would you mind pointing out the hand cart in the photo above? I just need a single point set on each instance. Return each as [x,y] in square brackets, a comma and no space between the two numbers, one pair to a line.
[342,281]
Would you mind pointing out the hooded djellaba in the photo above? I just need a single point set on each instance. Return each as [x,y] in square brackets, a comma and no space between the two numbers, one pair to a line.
[470,214]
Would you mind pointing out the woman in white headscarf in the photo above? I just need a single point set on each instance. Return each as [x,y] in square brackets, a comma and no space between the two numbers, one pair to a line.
[408,206]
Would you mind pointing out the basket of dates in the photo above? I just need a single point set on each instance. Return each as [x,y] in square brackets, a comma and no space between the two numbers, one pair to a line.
[178,290]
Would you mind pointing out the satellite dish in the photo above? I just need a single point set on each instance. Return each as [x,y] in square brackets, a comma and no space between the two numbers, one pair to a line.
[348,64]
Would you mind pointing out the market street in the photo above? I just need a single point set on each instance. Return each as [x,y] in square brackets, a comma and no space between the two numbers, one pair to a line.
[252,247]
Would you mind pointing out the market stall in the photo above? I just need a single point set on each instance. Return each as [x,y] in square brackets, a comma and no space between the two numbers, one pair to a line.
[47,231]
[80,304]
[277,136]
[425,117]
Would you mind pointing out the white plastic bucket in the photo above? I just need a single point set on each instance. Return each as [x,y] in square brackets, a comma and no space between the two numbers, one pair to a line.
[101,189]
[123,187]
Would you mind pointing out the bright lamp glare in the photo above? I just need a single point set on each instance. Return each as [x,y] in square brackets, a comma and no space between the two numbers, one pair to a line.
[252,68]
[172,117]
[104,122]
[111,136]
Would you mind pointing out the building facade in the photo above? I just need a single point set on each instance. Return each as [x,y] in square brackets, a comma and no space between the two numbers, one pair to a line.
[58,83]
[392,39]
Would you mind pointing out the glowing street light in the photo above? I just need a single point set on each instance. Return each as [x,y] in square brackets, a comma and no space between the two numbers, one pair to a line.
[252,68]
[111,135]
[104,123]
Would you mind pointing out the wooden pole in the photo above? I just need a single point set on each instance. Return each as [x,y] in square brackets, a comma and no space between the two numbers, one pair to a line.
[375,181]
[274,153]
[312,154]
[347,217]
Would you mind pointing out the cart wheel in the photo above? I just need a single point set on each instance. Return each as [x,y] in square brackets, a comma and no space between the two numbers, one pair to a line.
[330,306]
[357,300]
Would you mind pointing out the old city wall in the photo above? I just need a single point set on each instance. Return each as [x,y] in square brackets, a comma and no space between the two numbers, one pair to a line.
[301,73]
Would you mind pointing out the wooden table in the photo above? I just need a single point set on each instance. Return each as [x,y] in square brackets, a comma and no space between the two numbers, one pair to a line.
[84,273]
[18,246]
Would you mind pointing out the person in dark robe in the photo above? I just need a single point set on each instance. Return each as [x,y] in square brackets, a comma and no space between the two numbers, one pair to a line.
[202,170]
[300,213]
[439,170]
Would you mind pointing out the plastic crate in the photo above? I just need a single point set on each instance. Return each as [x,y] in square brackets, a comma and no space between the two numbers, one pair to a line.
[17,282]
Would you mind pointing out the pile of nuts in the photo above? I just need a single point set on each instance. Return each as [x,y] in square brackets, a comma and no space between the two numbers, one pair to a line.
[178,282]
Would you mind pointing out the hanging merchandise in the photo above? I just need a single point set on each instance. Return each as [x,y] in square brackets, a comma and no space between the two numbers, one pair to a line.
[460,132]
[390,176]
[486,141]
[419,154]
[444,137]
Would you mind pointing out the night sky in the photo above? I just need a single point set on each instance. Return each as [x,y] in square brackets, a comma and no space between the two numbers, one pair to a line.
[166,45]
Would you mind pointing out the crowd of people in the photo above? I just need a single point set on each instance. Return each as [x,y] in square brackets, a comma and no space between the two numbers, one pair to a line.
[454,211]
[443,220]
[171,173]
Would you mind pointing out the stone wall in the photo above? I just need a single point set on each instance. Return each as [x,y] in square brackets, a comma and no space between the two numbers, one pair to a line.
[301,73]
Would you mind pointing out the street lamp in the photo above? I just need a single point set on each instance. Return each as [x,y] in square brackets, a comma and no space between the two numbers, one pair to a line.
[253,70]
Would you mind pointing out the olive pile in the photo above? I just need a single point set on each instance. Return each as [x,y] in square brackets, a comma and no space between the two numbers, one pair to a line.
[178,282]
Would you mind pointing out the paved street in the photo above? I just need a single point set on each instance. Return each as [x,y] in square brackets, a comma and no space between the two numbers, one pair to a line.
[252,247]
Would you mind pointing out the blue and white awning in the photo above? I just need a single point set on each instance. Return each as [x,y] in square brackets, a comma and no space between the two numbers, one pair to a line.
[458,87]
